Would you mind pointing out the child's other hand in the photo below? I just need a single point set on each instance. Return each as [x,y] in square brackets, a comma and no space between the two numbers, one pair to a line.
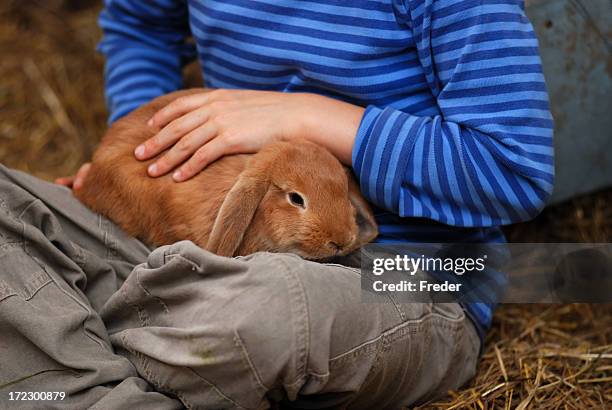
[75,181]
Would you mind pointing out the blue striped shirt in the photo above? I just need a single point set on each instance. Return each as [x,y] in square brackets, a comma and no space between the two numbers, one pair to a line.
[456,138]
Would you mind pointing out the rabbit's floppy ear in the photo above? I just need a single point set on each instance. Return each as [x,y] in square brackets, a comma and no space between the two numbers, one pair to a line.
[237,211]
[368,230]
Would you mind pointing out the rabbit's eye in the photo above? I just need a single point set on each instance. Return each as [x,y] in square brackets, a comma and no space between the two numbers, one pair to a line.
[296,199]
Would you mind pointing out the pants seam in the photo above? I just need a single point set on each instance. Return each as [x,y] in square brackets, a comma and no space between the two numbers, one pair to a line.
[143,318]
[260,385]
[52,279]
[145,322]
[149,294]
[216,389]
[404,328]
[106,227]
[381,336]
[300,311]
[457,334]
[146,370]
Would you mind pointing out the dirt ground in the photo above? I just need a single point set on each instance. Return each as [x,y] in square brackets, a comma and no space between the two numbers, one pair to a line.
[52,114]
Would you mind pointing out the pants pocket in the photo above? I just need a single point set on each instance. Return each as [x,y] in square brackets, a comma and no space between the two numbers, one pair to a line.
[20,275]
[22,319]
[45,325]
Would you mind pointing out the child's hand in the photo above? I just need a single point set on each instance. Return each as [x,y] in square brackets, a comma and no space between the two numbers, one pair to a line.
[200,128]
[75,181]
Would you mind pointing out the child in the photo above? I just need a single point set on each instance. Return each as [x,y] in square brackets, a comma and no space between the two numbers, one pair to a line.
[439,107]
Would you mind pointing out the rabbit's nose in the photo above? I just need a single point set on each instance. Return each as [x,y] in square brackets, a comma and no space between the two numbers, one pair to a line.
[334,245]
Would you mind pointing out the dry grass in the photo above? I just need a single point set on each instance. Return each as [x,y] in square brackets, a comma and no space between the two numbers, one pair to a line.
[543,357]
[51,101]
[52,114]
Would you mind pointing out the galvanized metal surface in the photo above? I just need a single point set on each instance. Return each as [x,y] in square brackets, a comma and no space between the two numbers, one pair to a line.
[575,43]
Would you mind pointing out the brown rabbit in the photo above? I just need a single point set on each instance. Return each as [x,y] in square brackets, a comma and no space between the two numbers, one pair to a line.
[289,197]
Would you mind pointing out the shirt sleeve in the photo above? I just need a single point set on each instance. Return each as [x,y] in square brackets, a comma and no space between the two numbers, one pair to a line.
[146,47]
[487,158]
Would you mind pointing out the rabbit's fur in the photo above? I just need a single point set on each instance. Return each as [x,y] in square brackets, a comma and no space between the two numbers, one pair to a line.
[237,205]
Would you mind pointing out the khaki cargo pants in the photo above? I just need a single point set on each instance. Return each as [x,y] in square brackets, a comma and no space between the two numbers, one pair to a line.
[91,313]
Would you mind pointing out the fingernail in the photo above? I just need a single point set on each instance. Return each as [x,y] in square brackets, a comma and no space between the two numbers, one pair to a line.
[152,169]
[139,151]
[77,185]
[177,175]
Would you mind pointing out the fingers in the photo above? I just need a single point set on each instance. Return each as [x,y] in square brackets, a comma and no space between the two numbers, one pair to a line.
[65,181]
[75,181]
[183,149]
[178,108]
[171,133]
[190,128]
[80,176]
[204,156]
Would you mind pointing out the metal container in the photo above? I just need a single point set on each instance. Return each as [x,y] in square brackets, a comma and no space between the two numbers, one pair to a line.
[575,44]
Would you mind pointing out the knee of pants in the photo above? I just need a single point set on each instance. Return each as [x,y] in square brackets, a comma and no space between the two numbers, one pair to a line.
[289,316]
[264,294]
[277,315]
[306,314]
[267,311]
[208,327]
[251,308]
[304,326]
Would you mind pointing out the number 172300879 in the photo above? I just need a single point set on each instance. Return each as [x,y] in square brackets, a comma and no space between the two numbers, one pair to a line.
[37,395]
